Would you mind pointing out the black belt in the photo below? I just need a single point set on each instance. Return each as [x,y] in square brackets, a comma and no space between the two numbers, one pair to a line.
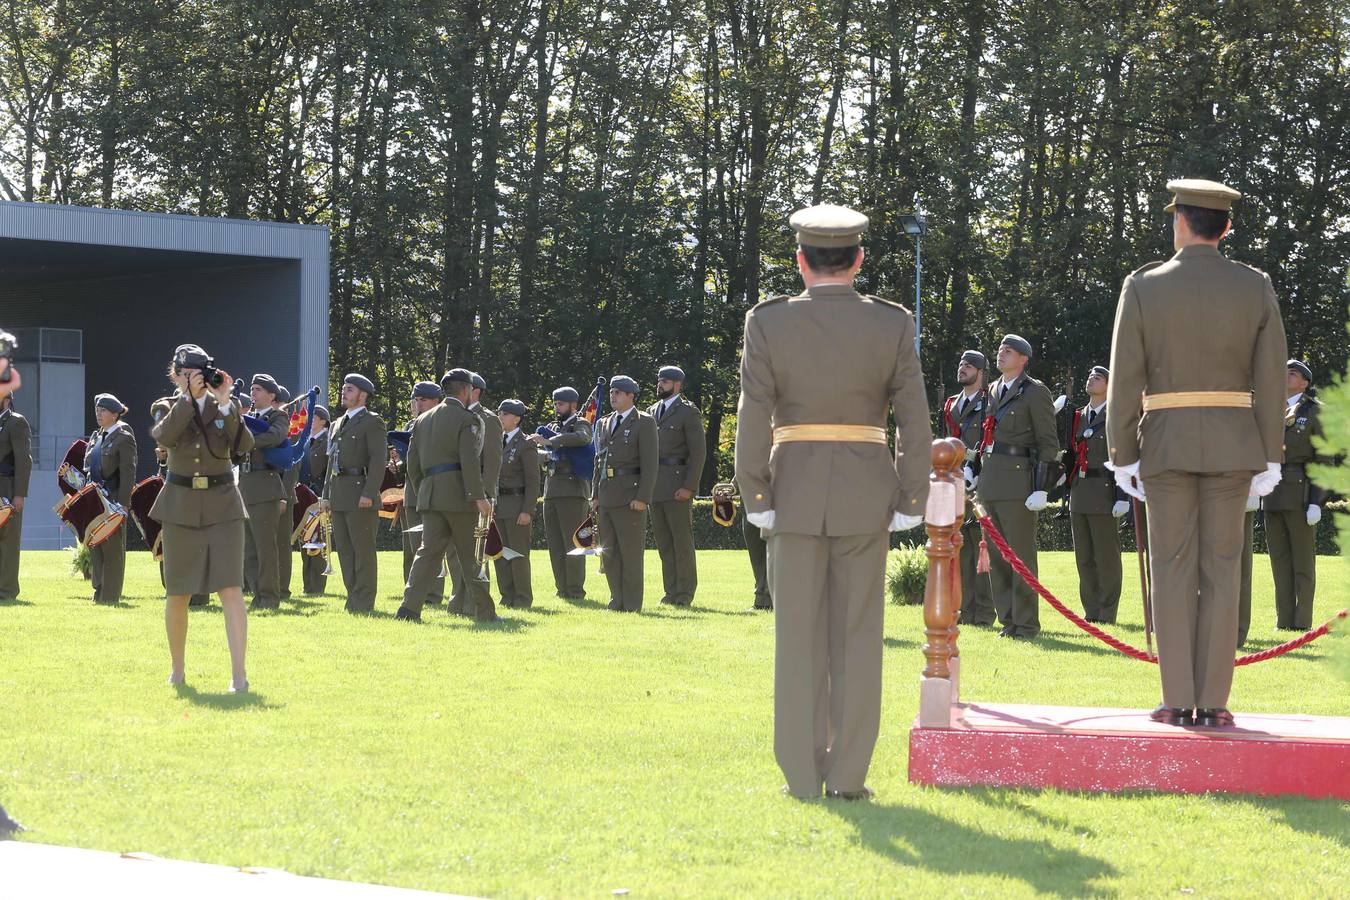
[510,492]
[200,482]
[610,473]
[354,470]
[1001,449]
[438,469]
[672,461]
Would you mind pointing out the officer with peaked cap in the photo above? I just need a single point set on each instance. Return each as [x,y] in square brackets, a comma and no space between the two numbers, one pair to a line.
[1196,438]
[489,463]
[566,495]
[110,461]
[313,468]
[517,494]
[1294,508]
[833,491]
[445,480]
[1018,468]
[1096,505]
[679,426]
[260,484]
[963,417]
[426,395]
[625,478]
[357,456]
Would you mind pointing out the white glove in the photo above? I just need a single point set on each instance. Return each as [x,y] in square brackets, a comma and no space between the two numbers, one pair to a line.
[1314,514]
[1059,402]
[1120,508]
[902,522]
[1253,503]
[762,519]
[971,478]
[1037,501]
[1127,479]
[1264,482]
[1063,477]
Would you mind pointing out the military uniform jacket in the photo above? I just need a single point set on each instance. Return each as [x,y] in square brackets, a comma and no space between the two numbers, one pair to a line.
[1095,493]
[1198,322]
[193,453]
[158,410]
[16,452]
[561,480]
[117,463]
[634,445]
[1295,491]
[831,356]
[519,474]
[359,442]
[966,423]
[681,446]
[492,448]
[317,452]
[1025,417]
[258,481]
[443,435]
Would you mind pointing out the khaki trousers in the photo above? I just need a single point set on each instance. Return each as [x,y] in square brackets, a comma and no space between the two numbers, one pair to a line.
[311,570]
[1017,605]
[354,541]
[108,564]
[411,541]
[977,599]
[513,575]
[285,525]
[623,534]
[1245,579]
[447,533]
[1293,563]
[673,529]
[10,538]
[562,515]
[1195,524]
[261,564]
[1096,550]
[758,550]
[828,612]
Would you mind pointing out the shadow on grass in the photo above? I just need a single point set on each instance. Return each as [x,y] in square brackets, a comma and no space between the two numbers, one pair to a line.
[667,611]
[223,700]
[899,643]
[584,603]
[1329,818]
[504,624]
[915,837]
[17,602]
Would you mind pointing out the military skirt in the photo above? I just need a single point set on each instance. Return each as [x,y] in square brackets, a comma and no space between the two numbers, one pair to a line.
[203,560]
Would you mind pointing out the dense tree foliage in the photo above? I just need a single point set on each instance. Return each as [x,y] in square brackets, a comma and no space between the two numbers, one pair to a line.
[555,190]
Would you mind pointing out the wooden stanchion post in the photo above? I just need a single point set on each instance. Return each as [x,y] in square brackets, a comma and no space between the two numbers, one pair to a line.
[942,592]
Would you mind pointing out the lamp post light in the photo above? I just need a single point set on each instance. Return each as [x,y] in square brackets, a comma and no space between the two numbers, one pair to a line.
[916,225]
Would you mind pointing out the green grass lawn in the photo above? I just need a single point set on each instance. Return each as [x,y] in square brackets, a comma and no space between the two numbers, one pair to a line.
[569,751]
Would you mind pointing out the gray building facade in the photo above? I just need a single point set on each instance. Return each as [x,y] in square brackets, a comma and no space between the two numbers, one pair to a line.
[100,298]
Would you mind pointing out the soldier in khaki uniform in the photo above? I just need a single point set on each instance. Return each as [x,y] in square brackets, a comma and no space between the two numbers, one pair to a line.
[357,456]
[1194,414]
[1245,575]
[818,373]
[201,509]
[260,486]
[1096,505]
[110,461]
[313,468]
[16,465]
[963,417]
[679,425]
[289,479]
[158,410]
[445,480]
[625,477]
[426,395]
[517,494]
[491,463]
[566,495]
[1019,467]
[1294,508]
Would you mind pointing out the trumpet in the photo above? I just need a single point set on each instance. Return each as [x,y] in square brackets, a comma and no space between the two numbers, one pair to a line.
[480,533]
[326,523]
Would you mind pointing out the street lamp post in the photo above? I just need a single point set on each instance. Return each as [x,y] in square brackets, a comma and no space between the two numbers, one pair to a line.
[916,225]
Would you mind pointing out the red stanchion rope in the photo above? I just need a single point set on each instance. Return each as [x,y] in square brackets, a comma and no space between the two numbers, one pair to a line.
[1131,651]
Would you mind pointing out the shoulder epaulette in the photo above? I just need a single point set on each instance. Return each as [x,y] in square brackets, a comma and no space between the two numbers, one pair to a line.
[891,303]
[1149,265]
[777,298]
[1260,272]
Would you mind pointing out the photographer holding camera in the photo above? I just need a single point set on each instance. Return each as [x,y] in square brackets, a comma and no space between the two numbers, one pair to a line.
[200,506]
[16,463]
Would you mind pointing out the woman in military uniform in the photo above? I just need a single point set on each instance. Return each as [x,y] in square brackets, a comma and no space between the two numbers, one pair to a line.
[200,507]
[110,461]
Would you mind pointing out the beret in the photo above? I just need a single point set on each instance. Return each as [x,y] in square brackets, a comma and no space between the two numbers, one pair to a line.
[827,225]
[360,382]
[515,407]
[110,403]
[624,383]
[1018,343]
[975,358]
[477,381]
[321,412]
[567,395]
[266,382]
[1202,193]
[427,390]
[1302,368]
[282,394]
[190,356]
[671,373]
[1100,370]
[463,376]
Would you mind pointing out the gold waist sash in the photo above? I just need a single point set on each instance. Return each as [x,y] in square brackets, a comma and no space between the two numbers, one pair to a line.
[1193,399]
[856,434]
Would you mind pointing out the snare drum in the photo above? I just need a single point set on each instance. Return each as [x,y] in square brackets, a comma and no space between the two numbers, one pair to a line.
[92,517]
[305,519]
[143,497]
[70,476]
[391,493]
[7,511]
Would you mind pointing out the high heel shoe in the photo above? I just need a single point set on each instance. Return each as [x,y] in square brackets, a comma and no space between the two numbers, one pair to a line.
[243,689]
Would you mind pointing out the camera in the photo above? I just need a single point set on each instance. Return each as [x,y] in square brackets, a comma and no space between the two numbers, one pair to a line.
[212,376]
[7,344]
[194,359]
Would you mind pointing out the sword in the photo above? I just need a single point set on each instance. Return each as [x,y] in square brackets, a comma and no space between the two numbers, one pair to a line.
[1141,551]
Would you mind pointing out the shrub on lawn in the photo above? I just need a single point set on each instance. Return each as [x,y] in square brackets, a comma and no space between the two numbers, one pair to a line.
[80,563]
[906,574]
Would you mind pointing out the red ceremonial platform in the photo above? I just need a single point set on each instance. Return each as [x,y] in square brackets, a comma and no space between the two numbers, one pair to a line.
[960,744]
